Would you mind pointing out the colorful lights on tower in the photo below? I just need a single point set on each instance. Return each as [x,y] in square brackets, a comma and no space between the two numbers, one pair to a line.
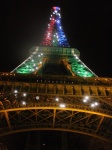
[54,44]
[54,35]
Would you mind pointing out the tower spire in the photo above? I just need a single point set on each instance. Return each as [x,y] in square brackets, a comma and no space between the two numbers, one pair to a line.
[55,35]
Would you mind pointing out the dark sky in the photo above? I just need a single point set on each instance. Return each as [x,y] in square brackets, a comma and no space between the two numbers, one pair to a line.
[87,25]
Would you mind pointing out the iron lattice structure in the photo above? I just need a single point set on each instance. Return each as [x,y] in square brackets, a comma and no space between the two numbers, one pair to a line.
[54,90]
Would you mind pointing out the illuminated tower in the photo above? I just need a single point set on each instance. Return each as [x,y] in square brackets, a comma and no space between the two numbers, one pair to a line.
[54,55]
[54,90]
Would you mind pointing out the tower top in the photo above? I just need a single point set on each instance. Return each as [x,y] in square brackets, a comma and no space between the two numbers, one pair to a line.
[54,35]
[56,8]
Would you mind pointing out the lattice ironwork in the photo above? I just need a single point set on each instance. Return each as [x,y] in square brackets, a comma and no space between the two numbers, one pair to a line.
[80,108]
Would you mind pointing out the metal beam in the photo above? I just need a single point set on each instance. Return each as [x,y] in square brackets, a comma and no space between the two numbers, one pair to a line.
[7,119]
[101,120]
[53,106]
[54,115]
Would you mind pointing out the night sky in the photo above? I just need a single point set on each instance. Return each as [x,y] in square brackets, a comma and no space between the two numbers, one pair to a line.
[87,25]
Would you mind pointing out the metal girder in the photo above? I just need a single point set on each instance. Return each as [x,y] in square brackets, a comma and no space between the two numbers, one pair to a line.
[101,120]
[54,117]
[96,81]
[36,114]
[57,104]
[49,117]
[7,119]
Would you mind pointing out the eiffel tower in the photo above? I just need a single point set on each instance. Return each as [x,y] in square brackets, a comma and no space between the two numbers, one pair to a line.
[54,90]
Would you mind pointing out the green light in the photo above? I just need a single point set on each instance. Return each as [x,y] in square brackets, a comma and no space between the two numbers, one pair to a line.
[79,68]
[31,64]
[34,63]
